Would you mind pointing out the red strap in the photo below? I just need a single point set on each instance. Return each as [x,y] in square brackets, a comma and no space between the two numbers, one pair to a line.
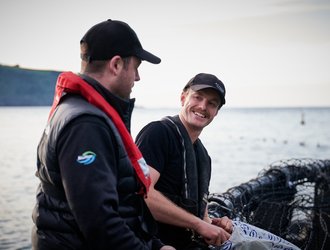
[69,82]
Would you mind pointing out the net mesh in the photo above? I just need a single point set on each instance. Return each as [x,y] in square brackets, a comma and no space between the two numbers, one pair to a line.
[290,198]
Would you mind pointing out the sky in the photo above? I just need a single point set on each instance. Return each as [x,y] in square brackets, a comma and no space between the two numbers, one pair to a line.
[268,53]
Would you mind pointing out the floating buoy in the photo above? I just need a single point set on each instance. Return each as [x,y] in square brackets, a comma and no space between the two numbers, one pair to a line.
[302,122]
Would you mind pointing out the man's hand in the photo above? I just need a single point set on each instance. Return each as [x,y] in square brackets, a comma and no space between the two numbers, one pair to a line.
[223,222]
[167,248]
[212,234]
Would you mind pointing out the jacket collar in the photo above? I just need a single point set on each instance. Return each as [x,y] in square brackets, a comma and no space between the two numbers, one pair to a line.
[122,106]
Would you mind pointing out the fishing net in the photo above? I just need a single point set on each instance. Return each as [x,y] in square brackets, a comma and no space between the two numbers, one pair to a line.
[290,198]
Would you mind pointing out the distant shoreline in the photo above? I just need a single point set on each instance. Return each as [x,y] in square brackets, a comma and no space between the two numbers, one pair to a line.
[26,87]
[20,87]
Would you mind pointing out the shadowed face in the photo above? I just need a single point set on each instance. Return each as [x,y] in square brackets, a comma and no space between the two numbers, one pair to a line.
[126,77]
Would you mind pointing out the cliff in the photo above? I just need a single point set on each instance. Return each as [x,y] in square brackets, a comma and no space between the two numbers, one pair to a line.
[26,87]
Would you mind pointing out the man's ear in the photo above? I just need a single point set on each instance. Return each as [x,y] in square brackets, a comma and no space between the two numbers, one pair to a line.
[183,97]
[116,64]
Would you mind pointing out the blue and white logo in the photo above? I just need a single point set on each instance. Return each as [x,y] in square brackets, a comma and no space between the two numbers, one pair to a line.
[86,158]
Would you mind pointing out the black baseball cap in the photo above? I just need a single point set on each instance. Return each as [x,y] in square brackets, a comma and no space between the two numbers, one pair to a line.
[203,81]
[110,38]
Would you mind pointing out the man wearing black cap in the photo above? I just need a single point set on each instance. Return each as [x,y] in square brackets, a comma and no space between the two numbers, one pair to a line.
[93,178]
[180,168]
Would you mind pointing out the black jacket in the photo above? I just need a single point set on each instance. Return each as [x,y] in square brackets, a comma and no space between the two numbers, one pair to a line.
[88,194]
[185,172]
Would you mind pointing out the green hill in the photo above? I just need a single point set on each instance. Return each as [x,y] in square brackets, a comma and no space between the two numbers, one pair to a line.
[26,87]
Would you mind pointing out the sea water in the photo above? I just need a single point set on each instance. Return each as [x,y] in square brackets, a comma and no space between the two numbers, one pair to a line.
[240,141]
